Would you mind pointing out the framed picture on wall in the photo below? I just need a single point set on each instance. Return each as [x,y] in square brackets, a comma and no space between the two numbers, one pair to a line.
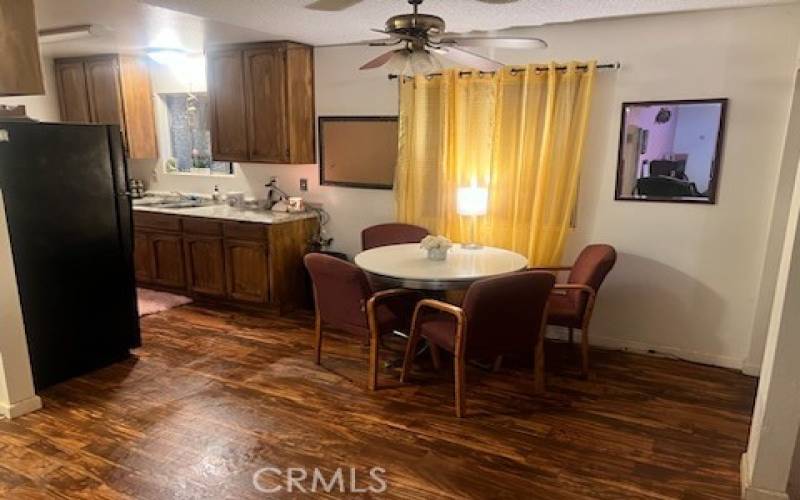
[670,150]
[358,151]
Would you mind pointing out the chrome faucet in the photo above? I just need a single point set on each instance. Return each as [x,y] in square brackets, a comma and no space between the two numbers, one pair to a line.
[271,186]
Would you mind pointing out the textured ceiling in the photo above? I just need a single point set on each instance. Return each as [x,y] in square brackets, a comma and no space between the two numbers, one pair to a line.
[289,19]
[131,25]
[128,26]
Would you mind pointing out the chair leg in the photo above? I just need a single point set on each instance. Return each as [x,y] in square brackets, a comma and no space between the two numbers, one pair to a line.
[411,351]
[460,376]
[436,357]
[585,351]
[571,335]
[538,366]
[498,362]
[373,361]
[317,339]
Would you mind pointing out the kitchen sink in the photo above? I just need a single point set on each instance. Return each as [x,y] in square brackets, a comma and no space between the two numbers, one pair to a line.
[162,203]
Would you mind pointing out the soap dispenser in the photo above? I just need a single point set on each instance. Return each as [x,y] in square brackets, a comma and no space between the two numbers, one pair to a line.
[215,196]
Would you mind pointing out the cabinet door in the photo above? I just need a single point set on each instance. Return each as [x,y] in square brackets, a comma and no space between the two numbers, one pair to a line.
[265,84]
[167,260]
[137,105]
[300,104]
[142,257]
[246,269]
[102,83]
[73,97]
[205,264]
[225,74]
[19,46]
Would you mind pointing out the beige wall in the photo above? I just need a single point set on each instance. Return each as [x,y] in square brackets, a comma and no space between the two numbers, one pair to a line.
[16,382]
[43,107]
[688,275]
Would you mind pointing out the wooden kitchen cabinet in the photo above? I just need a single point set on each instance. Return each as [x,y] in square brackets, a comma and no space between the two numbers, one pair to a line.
[220,260]
[19,49]
[205,264]
[227,105]
[73,94]
[142,257]
[110,89]
[262,102]
[247,270]
[167,260]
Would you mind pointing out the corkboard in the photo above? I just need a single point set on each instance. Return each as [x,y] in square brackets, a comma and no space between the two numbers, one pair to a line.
[358,151]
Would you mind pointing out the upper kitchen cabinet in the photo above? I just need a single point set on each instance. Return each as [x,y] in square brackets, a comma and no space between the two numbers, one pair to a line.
[262,102]
[110,89]
[19,49]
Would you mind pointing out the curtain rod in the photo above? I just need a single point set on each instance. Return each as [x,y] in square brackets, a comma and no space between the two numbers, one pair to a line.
[615,65]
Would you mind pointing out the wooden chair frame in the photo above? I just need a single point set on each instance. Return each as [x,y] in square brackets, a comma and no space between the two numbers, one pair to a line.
[372,303]
[459,358]
[587,314]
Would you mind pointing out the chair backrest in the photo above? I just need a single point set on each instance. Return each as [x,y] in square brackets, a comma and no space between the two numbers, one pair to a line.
[391,234]
[341,291]
[591,268]
[504,313]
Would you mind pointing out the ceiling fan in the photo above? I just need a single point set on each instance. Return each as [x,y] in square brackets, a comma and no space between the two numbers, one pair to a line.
[422,35]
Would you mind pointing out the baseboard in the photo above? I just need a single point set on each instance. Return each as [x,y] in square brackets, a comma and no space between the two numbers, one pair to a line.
[20,408]
[649,349]
[751,493]
[751,369]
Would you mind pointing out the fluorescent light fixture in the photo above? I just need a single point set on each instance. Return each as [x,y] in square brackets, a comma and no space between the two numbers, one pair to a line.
[167,57]
[66,33]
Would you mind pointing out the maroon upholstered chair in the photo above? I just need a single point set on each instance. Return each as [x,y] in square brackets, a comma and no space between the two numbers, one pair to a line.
[499,315]
[344,299]
[391,234]
[572,303]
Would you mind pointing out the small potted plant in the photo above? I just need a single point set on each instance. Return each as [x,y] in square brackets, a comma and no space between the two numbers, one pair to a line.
[437,247]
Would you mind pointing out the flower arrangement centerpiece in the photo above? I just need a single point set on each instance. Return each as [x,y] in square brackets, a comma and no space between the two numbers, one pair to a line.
[437,246]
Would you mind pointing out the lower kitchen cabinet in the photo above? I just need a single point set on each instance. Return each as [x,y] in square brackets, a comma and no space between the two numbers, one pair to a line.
[142,257]
[167,260]
[205,264]
[247,270]
[232,262]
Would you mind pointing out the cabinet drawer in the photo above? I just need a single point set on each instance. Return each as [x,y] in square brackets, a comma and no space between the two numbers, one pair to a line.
[156,221]
[245,231]
[192,225]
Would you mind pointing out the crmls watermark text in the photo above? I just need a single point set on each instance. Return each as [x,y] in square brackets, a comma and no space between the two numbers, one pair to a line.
[304,480]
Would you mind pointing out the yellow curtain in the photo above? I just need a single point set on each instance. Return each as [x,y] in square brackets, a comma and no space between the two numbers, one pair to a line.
[518,133]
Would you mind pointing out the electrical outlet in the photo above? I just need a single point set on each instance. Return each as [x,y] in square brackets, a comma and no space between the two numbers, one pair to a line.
[303,184]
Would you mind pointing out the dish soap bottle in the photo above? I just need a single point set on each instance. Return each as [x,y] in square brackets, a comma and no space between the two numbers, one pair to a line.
[215,196]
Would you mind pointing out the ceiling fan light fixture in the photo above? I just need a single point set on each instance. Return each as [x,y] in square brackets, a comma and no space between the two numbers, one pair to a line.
[423,62]
[400,63]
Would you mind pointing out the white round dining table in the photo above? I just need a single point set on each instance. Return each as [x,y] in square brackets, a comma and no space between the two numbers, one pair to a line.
[408,266]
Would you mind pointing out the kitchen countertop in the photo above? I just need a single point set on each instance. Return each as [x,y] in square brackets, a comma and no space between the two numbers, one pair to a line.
[229,213]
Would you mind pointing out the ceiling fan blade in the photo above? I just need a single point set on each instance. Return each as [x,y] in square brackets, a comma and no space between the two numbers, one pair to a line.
[502,42]
[469,59]
[331,5]
[378,42]
[379,61]
[393,34]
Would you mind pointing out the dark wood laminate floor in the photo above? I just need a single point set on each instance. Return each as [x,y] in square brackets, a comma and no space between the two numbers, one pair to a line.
[214,395]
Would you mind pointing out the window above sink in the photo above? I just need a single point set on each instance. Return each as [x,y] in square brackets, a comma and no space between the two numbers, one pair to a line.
[189,136]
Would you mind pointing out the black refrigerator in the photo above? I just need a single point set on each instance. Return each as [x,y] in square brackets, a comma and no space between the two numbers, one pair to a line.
[64,187]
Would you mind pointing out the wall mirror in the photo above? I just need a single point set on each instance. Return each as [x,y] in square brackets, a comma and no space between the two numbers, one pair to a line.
[670,150]
[357,151]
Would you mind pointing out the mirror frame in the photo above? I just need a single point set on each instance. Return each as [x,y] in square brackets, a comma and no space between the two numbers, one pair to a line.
[715,167]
